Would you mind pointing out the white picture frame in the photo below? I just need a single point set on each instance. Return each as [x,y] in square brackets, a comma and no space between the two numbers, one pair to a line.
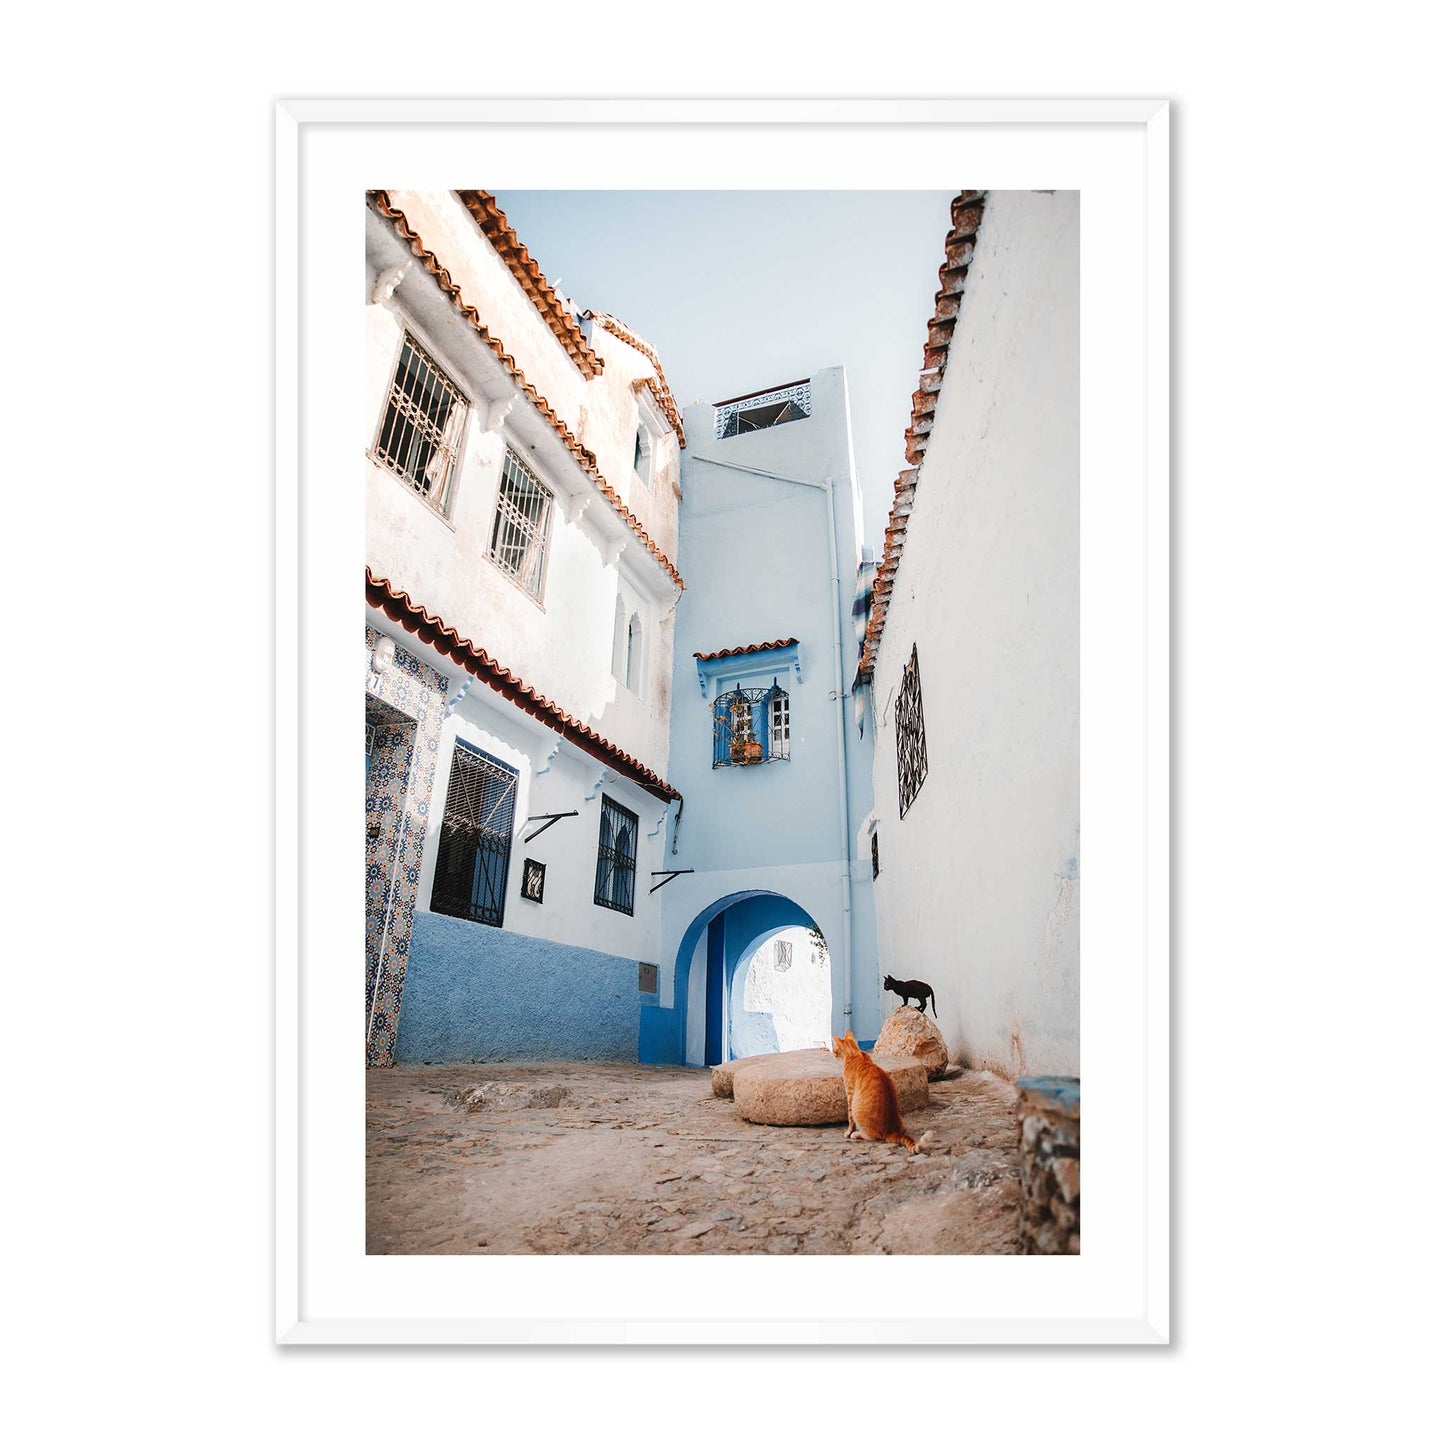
[327,1290]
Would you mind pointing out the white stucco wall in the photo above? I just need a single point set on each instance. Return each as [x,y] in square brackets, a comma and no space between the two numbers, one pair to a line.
[562,644]
[798,998]
[553,777]
[978,891]
[759,561]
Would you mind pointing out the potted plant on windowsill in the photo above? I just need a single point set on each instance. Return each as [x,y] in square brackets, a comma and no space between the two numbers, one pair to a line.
[743,747]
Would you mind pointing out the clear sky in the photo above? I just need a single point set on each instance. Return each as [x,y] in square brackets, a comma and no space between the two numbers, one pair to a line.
[741,290]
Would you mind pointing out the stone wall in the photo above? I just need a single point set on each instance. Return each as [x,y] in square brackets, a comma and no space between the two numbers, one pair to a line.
[1048,1118]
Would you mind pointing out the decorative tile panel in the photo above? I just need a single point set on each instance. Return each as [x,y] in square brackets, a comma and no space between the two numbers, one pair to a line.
[405,706]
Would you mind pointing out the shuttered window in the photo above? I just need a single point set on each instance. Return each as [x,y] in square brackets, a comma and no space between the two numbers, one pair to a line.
[476,838]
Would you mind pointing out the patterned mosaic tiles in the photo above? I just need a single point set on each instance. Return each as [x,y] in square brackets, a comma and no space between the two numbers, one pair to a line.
[405,705]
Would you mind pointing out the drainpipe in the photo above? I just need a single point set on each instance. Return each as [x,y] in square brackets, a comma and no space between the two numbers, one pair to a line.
[844,837]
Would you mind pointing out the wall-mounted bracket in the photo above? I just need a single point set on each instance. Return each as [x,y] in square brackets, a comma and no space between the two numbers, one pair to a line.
[387,280]
[497,412]
[573,504]
[551,818]
[462,690]
[667,875]
[662,819]
[605,778]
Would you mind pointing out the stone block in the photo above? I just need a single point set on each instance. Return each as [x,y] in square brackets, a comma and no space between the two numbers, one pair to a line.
[1048,1137]
[909,1034]
[805,1086]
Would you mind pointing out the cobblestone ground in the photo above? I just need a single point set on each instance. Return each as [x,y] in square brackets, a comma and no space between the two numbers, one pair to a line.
[621,1159]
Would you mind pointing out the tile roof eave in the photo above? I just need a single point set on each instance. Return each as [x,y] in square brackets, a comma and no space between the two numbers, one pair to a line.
[662,391]
[431,630]
[965,217]
[584,458]
[744,651]
[492,222]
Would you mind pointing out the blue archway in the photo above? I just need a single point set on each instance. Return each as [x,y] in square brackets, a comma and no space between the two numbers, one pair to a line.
[733,925]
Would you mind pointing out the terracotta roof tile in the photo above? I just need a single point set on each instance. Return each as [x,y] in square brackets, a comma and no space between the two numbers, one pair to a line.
[966,216]
[585,459]
[431,630]
[664,395]
[493,224]
[741,651]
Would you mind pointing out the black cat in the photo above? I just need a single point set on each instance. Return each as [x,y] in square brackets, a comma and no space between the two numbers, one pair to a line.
[910,988]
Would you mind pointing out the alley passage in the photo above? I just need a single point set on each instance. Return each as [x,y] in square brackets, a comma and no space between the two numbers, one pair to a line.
[580,1158]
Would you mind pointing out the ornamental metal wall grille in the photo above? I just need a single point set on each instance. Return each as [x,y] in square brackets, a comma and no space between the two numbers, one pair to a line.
[912,749]
[522,525]
[421,429]
[616,857]
[769,408]
[751,725]
[475,848]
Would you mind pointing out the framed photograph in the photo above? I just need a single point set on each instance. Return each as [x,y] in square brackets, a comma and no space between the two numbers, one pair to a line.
[765,514]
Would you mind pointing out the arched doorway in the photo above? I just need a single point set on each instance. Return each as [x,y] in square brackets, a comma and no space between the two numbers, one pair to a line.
[715,959]
[781,996]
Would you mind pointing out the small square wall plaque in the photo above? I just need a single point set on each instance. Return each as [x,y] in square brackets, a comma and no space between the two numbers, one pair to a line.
[534,878]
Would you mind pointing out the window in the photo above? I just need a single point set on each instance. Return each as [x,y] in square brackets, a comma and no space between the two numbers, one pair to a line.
[875,855]
[422,427]
[782,955]
[908,723]
[619,641]
[778,724]
[629,650]
[649,437]
[616,857]
[750,725]
[763,409]
[633,676]
[642,452]
[520,531]
[476,838]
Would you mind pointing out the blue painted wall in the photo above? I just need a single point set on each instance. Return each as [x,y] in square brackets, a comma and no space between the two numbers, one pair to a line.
[659,1036]
[734,927]
[474,992]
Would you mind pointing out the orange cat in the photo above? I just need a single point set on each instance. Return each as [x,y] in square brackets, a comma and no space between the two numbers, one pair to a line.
[872,1099]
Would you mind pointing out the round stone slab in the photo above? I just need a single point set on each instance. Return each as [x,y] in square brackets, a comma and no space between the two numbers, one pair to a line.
[806,1087]
[723,1074]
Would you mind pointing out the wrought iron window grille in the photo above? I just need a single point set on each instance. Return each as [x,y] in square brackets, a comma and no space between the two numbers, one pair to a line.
[616,857]
[751,725]
[421,430]
[475,846]
[912,747]
[522,526]
[765,409]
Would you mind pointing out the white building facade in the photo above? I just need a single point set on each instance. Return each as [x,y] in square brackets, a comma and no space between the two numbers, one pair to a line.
[522,473]
[973,648]
[776,780]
